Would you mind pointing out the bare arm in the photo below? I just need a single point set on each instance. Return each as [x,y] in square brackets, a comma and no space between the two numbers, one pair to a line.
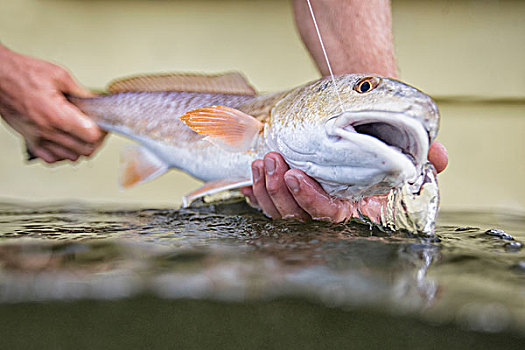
[357,35]
[32,102]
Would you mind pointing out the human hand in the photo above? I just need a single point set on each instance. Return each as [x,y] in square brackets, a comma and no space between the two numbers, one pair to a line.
[284,193]
[32,102]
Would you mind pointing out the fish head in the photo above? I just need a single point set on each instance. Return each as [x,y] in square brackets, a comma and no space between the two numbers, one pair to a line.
[371,137]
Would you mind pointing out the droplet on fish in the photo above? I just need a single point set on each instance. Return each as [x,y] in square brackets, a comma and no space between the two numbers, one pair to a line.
[513,246]
[499,234]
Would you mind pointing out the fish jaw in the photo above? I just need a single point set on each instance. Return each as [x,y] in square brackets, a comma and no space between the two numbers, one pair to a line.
[382,132]
[360,153]
[381,150]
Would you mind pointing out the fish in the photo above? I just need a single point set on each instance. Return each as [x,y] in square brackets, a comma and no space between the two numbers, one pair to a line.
[363,138]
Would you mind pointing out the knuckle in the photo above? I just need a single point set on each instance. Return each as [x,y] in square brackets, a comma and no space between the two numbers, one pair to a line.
[35,117]
[306,201]
[60,72]
[258,190]
[53,119]
[273,189]
[37,135]
[45,116]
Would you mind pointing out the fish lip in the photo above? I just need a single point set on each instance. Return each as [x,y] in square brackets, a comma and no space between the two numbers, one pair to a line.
[412,139]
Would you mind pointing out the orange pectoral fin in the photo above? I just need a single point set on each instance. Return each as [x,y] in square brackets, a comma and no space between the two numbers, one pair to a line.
[227,127]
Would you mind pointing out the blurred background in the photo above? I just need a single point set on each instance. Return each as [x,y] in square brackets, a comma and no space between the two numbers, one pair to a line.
[467,54]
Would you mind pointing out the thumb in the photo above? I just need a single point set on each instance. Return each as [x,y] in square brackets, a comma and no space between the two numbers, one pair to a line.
[438,156]
[70,86]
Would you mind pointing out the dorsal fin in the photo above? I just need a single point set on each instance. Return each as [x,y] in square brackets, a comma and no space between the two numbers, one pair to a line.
[227,83]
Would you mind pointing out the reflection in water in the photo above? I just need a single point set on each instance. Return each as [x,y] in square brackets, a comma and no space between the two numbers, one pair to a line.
[230,252]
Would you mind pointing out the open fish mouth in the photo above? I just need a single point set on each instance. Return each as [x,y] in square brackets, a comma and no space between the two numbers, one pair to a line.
[396,130]
[396,136]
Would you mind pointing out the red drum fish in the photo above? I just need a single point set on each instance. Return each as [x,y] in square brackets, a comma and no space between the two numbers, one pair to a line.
[369,145]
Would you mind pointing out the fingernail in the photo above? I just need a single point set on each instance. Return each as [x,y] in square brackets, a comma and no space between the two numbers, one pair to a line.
[292,183]
[269,165]
[256,173]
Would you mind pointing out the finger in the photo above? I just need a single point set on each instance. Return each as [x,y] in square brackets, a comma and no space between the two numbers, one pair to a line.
[72,121]
[69,85]
[45,155]
[438,156]
[248,192]
[72,143]
[275,167]
[60,152]
[259,190]
[313,199]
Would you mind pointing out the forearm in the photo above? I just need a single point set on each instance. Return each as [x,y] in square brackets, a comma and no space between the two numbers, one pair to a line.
[357,35]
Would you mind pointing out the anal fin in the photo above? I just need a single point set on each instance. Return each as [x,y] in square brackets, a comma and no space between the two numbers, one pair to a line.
[139,165]
[213,187]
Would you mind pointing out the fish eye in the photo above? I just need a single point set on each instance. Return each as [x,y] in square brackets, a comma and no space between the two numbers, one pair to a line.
[366,84]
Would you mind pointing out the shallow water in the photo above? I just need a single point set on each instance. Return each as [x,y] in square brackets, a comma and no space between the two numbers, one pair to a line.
[229,252]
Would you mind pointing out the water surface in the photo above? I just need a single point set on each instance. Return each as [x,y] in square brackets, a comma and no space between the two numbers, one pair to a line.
[228,252]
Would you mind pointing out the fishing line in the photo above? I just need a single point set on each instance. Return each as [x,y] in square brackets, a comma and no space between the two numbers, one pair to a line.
[325,55]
